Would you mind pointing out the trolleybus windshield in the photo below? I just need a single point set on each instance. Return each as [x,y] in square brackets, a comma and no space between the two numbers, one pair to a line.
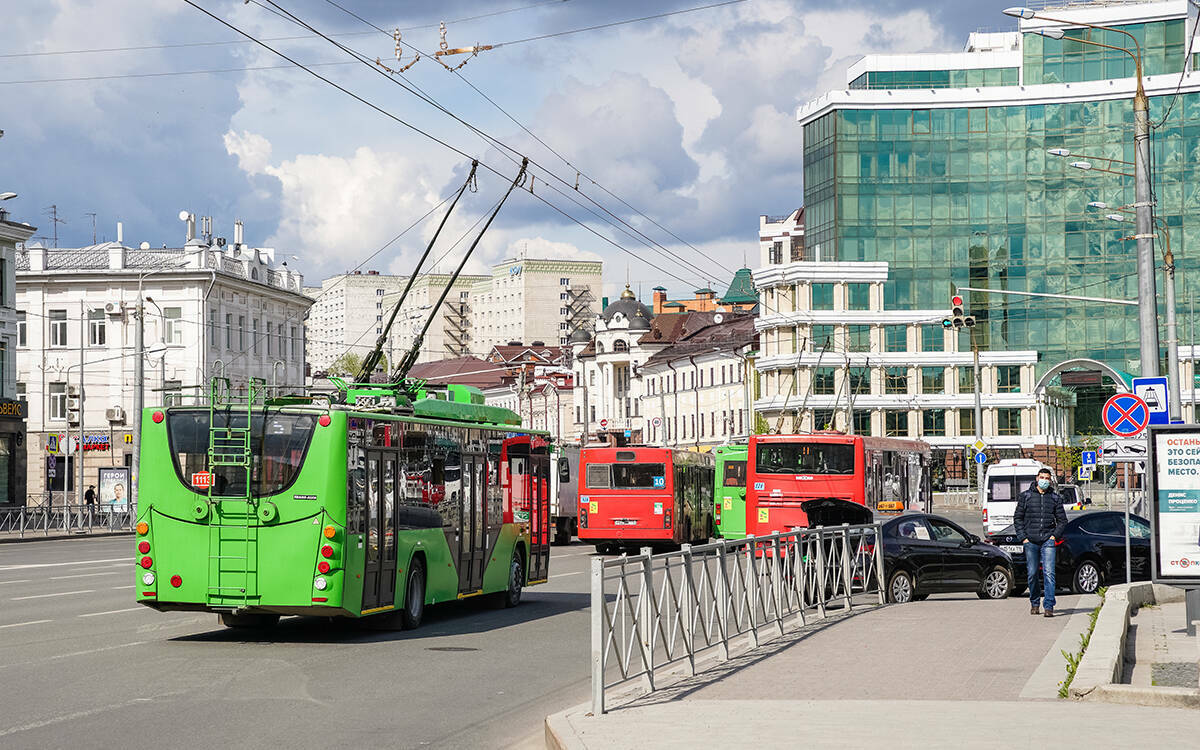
[804,458]
[626,476]
[735,474]
[278,442]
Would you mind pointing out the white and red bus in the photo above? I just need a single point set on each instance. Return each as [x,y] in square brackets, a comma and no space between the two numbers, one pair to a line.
[828,478]
[630,497]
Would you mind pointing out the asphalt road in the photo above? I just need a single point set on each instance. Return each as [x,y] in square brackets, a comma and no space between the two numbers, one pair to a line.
[84,666]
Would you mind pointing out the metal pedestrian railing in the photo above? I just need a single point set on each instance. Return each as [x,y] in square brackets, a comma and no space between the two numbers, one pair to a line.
[66,519]
[655,612]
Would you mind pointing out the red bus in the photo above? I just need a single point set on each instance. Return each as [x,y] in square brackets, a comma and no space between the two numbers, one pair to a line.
[829,478]
[644,496]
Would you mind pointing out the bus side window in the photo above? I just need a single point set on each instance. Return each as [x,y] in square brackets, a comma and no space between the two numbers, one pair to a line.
[564,469]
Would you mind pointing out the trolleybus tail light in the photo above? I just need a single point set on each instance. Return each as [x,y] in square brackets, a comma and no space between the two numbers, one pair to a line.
[142,528]
[667,520]
[320,584]
[320,598]
[327,551]
[146,562]
[323,567]
[148,578]
[143,546]
[330,532]
[158,417]
[323,420]
[582,518]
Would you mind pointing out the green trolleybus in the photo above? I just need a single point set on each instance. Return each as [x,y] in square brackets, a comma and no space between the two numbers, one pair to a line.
[384,503]
[731,491]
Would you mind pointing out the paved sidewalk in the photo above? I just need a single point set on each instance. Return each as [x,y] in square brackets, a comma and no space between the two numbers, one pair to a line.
[1159,651]
[41,536]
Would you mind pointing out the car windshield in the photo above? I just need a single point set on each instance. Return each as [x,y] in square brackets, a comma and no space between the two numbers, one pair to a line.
[804,458]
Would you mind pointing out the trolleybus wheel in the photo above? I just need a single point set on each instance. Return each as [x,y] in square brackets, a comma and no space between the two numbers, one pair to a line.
[516,579]
[261,621]
[414,596]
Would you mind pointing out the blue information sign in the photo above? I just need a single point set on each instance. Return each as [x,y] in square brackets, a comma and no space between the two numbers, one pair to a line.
[660,482]
[981,458]
[1088,458]
[1155,393]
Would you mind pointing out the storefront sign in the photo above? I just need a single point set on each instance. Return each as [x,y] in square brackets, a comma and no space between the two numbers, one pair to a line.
[1175,490]
[13,409]
[96,442]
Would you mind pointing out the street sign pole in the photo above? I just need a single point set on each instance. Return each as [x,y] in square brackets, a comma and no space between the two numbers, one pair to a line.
[1125,480]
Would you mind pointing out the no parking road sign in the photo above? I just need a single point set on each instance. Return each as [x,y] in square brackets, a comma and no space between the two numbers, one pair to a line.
[1125,415]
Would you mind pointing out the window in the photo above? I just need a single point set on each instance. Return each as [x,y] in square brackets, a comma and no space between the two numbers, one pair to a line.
[860,381]
[895,338]
[270,342]
[966,421]
[822,338]
[823,381]
[862,423]
[95,327]
[858,296]
[173,393]
[1008,421]
[21,328]
[1008,378]
[228,330]
[173,333]
[944,532]
[966,380]
[578,414]
[895,380]
[822,296]
[58,329]
[58,401]
[1102,524]
[896,423]
[775,254]
[933,380]
[934,422]
[823,419]
[254,340]
[241,333]
[212,327]
[933,338]
[858,338]
[378,293]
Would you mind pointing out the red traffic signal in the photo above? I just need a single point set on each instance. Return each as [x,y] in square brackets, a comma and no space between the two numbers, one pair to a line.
[956,301]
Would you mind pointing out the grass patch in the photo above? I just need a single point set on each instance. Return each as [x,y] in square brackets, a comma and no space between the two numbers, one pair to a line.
[1073,659]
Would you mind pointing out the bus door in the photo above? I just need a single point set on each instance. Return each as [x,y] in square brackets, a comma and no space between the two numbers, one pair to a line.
[472,548]
[379,569]
[373,562]
[538,492]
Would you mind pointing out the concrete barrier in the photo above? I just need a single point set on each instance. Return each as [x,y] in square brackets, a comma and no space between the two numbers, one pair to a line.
[1104,660]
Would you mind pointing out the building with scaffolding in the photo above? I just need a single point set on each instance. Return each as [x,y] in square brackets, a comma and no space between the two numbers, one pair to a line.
[450,335]
[533,299]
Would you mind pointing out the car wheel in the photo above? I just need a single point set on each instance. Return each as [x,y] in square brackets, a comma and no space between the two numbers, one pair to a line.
[1086,579]
[900,588]
[996,584]
[414,596]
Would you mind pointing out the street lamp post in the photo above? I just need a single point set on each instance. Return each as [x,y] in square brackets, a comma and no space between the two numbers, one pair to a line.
[1147,293]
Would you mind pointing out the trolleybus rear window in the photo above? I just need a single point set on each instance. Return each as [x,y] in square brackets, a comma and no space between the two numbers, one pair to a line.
[278,442]
[626,476]
[804,458]
[735,474]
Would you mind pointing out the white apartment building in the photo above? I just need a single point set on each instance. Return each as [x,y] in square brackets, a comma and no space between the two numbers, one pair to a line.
[13,408]
[209,311]
[545,402]
[347,315]
[450,333]
[531,299]
[833,357]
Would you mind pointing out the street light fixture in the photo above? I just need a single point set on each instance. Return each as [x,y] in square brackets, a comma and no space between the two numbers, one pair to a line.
[1084,165]
[1147,292]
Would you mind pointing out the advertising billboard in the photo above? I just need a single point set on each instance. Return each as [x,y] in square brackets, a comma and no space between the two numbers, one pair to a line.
[113,492]
[1174,489]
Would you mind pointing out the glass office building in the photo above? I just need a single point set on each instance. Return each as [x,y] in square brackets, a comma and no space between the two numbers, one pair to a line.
[938,164]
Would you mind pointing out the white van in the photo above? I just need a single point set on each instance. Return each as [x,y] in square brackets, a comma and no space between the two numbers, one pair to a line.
[1005,482]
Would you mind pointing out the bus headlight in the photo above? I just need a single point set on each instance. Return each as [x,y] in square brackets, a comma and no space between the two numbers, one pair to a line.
[320,584]
[148,578]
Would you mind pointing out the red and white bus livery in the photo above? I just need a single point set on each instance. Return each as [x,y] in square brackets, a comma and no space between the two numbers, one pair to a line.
[829,478]
[644,496]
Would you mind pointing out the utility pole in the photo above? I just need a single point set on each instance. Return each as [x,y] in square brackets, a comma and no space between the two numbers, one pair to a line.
[79,445]
[139,393]
[957,321]
[1147,291]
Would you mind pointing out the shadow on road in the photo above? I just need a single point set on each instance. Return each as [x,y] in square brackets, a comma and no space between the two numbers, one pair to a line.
[449,619]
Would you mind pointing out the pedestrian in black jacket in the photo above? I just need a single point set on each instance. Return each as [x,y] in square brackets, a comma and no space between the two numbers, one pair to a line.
[1040,521]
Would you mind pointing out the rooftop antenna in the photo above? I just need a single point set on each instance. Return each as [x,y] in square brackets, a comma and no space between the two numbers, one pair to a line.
[52,212]
[93,215]
[371,361]
[410,358]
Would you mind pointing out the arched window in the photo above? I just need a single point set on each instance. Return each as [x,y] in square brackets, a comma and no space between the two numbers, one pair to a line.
[620,346]
[599,348]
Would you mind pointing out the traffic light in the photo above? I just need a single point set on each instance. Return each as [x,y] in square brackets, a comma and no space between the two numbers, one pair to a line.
[957,318]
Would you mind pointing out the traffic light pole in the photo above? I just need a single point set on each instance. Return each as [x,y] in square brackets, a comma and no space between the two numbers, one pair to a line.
[978,419]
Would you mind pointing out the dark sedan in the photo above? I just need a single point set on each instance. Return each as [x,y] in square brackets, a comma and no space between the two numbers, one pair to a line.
[925,554]
[1091,552]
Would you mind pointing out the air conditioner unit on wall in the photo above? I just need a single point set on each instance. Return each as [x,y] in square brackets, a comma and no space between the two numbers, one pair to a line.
[115,414]
[114,308]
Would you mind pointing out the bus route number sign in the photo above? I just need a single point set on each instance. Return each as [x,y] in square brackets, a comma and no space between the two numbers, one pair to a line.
[202,480]
[660,482]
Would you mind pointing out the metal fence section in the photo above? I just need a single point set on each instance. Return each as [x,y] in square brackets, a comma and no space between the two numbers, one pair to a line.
[653,612]
[65,519]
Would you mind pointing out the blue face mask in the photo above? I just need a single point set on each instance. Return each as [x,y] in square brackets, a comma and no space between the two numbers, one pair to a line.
[1043,484]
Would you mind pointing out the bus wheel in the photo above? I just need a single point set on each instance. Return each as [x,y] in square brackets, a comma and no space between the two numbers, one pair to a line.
[414,596]
[516,579]
[248,621]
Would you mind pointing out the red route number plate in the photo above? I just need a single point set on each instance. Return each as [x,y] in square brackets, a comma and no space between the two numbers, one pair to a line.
[202,480]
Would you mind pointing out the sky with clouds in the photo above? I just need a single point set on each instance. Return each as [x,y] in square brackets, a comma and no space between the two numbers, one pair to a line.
[682,127]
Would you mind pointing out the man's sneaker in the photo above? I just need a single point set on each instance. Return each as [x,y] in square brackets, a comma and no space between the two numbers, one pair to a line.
[1034,610]
[1049,612]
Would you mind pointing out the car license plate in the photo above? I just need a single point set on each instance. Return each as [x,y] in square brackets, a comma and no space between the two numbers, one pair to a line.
[1014,548]
[625,522]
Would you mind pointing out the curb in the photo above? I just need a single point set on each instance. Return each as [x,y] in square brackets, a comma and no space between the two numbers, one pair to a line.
[559,733]
[1164,697]
[57,537]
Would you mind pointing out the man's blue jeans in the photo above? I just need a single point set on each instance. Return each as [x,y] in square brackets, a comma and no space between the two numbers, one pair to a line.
[1048,556]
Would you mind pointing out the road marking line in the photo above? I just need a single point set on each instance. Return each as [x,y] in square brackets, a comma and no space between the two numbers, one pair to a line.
[59,565]
[19,624]
[118,588]
[111,612]
[23,580]
[556,576]
[84,575]
[47,596]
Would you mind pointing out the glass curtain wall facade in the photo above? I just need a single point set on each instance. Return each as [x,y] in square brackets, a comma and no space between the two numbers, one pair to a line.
[969,196]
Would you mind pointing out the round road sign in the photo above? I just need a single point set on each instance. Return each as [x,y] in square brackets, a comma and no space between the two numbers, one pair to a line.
[603,423]
[981,457]
[1125,415]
